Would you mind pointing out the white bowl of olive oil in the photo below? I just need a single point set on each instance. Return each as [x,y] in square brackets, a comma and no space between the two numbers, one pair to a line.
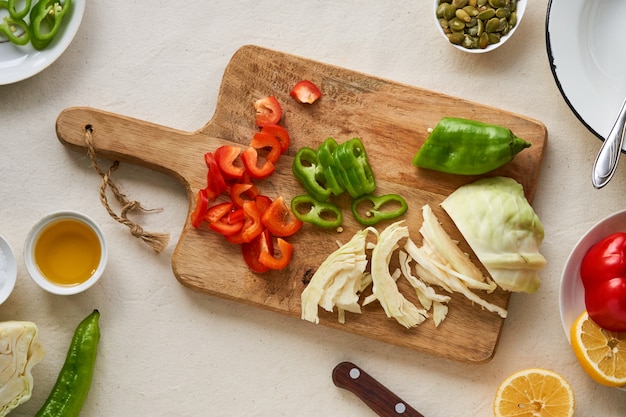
[65,252]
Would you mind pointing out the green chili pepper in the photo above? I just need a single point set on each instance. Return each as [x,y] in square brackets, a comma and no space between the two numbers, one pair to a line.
[9,27]
[468,147]
[18,14]
[45,20]
[379,209]
[306,168]
[72,385]
[329,165]
[356,172]
[319,213]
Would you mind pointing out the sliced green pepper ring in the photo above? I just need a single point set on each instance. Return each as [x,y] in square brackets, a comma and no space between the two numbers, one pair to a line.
[45,20]
[378,208]
[9,27]
[307,170]
[319,213]
[329,165]
[356,172]
[17,14]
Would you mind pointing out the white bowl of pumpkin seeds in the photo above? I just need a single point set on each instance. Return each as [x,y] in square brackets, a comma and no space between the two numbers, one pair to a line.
[478,26]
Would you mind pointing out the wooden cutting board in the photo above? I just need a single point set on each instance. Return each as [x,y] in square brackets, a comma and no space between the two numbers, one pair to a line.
[391,119]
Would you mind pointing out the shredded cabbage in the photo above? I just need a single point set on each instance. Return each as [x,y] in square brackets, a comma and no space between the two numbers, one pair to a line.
[503,230]
[337,281]
[20,350]
[383,283]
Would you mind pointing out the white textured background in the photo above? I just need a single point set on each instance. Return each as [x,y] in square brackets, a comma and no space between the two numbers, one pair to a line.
[167,351]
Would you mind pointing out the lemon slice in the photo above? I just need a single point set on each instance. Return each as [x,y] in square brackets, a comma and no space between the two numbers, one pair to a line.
[534,393]
[601,353]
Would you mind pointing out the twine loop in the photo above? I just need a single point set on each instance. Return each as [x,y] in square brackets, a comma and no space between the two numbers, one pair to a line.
[157,241]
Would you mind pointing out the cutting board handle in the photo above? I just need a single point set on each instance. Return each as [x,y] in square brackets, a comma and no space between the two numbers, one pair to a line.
[142,143]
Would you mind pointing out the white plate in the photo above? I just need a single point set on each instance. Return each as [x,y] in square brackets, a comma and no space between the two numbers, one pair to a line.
[20,62]
[572,297]
[8,270]
[583,40]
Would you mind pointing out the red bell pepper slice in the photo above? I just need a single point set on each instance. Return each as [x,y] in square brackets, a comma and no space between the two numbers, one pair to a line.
[202,204]
[250,161]
[305,92]
[280,220]
[252,225]
[269,259]
[226,156]
[262,141]
[280,133]
[224,227]
[268,111]
[252,250]
[263,202]
[218,211]
[216,184]
[237,191]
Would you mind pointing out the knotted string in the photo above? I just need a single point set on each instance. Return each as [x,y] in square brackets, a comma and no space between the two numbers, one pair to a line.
[158,241]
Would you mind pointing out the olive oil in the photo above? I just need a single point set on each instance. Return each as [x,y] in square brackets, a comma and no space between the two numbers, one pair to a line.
[67,252]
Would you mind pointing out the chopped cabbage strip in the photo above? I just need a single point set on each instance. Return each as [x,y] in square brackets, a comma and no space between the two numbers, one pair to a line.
[337,280]
[20,350]
[384,285]
[449,252]
[445,280]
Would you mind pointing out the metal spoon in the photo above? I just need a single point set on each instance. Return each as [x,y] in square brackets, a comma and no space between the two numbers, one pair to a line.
[608,156]
[379,398]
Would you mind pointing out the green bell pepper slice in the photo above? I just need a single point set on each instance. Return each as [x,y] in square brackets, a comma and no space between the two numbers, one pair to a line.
[306,168]
[356,173]
[45,21]
[379,208]
[329,165]
[9,28]
[319,213]
[17,14]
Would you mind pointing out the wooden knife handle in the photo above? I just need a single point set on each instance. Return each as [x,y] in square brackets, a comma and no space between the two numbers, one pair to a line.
[380,399]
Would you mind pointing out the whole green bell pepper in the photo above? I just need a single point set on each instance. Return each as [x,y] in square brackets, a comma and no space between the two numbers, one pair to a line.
[468,147]
[45,21]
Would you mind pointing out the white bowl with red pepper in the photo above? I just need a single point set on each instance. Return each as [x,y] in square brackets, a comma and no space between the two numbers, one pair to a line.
[594,276]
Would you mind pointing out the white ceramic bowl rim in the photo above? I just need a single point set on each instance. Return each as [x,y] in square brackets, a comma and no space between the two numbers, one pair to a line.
[32,268]
[521,8]
[9,272]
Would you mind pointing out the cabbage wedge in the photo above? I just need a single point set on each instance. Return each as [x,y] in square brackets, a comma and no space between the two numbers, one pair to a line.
[20,350]
[503,230]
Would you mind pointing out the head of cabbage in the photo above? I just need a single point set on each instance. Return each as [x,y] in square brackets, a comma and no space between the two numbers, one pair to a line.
[503,230]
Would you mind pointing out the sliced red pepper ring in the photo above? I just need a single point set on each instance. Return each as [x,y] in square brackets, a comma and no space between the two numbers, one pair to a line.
[225,227]
[252,250]
[305,92]
[280,220]
[263,202]
[285,252]
[250,159]
[280,133]
[202,204]
[262,141]
[226,156]
[268,111]
[216,184]
[252,225]
[218,211]
[237,191]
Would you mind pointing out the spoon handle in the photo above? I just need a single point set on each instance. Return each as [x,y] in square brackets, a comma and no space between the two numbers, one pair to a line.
[608,156]
[380,399]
